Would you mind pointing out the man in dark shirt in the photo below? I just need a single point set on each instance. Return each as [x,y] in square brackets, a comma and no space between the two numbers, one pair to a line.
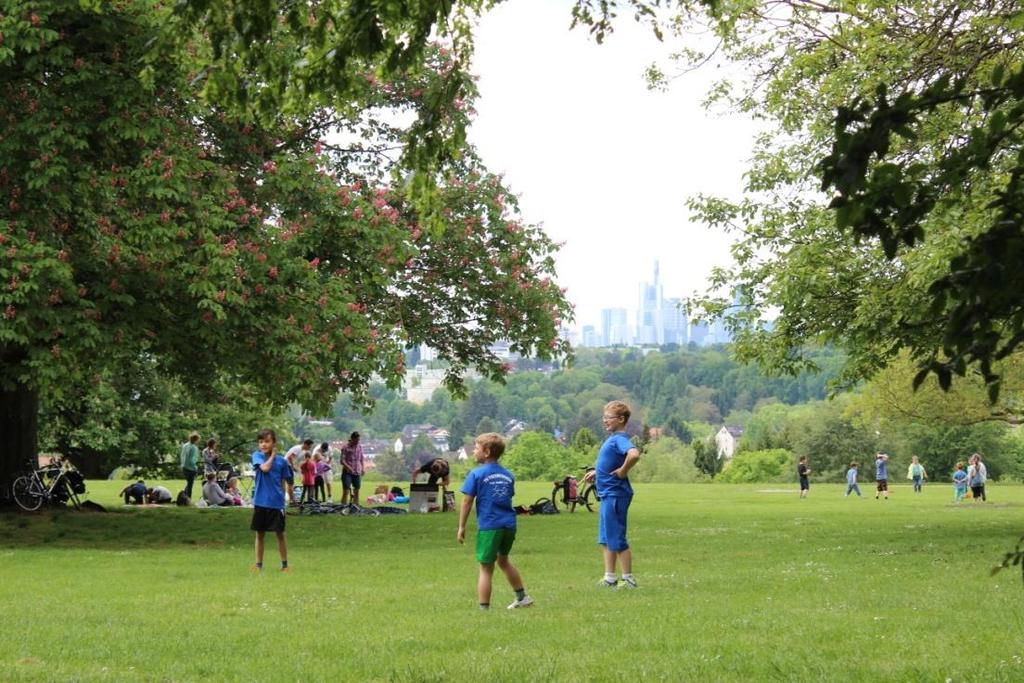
[802,472]
[437,469]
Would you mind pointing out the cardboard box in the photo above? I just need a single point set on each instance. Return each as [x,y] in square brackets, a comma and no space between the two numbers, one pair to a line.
[424,498]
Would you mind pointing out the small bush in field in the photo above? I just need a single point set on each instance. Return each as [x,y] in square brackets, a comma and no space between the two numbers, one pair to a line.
[757,466]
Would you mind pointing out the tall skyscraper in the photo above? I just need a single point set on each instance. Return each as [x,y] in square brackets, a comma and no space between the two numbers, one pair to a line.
[699,333]
[673,322]
[590,337]
[614,330]
[649,324]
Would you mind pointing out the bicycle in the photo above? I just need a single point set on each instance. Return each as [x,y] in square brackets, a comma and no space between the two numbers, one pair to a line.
[56,483]
[355,509]
[570,494]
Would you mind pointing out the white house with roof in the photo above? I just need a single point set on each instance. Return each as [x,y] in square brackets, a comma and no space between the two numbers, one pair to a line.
[727,440]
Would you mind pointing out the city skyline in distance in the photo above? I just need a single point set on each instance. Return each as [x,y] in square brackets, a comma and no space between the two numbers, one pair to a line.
[602,162]
[656,320]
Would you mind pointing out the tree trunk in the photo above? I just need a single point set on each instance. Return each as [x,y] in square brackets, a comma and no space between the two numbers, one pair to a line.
[19,425]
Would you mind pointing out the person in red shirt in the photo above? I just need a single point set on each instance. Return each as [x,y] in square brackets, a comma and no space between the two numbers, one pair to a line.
[308,468]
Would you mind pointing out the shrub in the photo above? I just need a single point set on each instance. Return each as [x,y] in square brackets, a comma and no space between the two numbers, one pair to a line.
[667,460]
[758,466]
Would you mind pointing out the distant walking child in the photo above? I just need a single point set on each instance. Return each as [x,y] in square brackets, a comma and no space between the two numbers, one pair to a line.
[308,477]
[492,487]
[916,473]
[976,477]
[882,475]
[851,480]
[959,483]
[268,500]
[322,468]
[616,458]
[803,473]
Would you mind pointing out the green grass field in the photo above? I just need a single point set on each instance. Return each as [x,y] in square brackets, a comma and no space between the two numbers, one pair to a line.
[737,583]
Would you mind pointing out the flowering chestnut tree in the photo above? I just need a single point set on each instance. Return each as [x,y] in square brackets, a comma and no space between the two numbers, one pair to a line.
[144,224]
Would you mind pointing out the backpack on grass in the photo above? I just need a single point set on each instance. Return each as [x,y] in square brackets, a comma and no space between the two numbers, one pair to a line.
[543,506]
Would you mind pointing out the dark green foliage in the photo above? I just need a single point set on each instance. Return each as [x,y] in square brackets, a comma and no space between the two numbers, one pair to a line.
[705,458]
[879,195]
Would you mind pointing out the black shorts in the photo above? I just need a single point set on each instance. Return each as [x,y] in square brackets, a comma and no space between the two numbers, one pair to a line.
[267,519]
[805,484]
[883,484]
[978,491]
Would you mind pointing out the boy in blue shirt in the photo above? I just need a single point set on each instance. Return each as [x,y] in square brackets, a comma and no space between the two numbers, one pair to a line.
[851,480]
[272,470]
[492,487]
[614,461]
[959,483]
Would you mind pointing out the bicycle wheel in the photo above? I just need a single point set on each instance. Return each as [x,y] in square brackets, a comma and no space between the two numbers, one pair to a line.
[590,498]
[554,495]
[353,510]
[27,493]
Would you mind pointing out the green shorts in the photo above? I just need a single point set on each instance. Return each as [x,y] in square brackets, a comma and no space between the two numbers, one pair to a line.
[494,542]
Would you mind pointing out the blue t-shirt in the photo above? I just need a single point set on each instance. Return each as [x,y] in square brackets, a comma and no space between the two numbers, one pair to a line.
[610,458]
[851,475]
[493,487]
[960,478]
[881,469]
[269,493]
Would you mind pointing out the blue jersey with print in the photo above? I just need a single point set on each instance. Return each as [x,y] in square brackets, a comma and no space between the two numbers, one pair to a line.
[268,493]
[881,469]
[610,458]
[493,487]
[851,475]
[960,478]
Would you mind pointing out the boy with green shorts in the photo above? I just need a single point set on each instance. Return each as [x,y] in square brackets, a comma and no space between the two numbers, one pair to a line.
[492,487]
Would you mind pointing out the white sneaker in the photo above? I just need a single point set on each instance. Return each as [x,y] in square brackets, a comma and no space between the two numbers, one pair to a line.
[605,583]
[527,601]
[627,583]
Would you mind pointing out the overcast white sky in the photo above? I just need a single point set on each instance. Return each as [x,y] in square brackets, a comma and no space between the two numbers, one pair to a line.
[604,164]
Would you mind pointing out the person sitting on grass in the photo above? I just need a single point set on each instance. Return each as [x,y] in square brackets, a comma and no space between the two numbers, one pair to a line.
[272,471]
[134,492]
[491,486]
[233,492]
[213,494]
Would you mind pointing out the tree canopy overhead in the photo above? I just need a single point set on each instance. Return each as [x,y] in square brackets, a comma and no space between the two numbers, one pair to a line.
[278,247]
[883,205]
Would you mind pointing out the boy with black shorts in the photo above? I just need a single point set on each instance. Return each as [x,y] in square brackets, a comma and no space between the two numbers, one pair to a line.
[268,501]
[882,475]
[803,473]
[492,487]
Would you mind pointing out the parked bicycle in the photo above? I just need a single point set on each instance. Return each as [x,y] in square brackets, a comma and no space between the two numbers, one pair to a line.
[571,492]
[57,483]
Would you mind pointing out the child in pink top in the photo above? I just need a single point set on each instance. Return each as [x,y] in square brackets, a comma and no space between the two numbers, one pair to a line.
[322,468]
[308,477]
